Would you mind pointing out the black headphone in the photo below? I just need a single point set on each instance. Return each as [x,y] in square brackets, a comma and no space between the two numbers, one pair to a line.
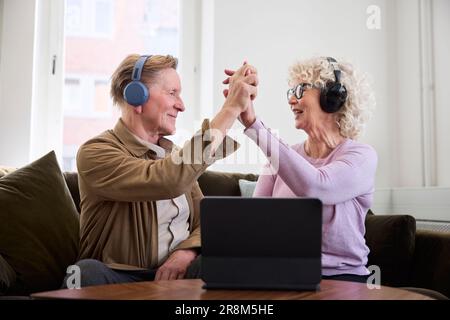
[136,92]
[334,93]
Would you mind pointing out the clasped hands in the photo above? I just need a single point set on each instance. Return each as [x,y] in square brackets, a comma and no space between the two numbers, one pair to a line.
[242,90]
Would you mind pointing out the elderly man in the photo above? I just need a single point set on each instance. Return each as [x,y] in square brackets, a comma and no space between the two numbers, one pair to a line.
[139,194]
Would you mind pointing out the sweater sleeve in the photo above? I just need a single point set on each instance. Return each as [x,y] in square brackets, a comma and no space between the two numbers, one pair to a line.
[266,182]
[350,175]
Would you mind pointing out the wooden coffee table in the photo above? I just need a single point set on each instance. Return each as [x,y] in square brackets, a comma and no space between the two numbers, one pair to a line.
[192,290]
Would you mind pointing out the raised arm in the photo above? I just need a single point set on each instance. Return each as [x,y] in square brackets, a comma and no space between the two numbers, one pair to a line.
[113,174]
[350,175]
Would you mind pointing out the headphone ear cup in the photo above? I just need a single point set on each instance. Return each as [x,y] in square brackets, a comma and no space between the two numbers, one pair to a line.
[324,98]
[136,93]
[333,97]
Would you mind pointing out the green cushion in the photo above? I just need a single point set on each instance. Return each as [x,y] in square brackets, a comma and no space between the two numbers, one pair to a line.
[247,188]
[39,225]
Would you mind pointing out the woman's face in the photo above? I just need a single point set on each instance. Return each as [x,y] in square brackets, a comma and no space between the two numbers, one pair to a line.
[308,115]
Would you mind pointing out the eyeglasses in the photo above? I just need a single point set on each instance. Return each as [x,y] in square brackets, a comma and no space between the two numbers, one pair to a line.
[298,90]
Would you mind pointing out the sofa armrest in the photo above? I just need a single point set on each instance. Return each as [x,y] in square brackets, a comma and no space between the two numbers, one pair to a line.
[431,261]
[7,276]
[390,239]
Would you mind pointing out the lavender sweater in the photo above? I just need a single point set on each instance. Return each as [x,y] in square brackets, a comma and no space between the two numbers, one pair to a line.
[343,181]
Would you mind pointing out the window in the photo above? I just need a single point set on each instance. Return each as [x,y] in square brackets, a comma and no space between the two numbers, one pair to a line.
[103,21]
[101,102]
[87,96]
[73,16]
[72,95]
[98,36]
[89,18]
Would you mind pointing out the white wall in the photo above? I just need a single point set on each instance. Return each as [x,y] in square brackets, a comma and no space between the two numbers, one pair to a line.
[405,108]
[271,35]
[16,80]
[277,33]
[1,26]
[441,15]
[422,74]
[422,203]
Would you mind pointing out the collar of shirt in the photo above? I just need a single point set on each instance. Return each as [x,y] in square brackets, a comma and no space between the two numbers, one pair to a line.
[160,152]
[135,146]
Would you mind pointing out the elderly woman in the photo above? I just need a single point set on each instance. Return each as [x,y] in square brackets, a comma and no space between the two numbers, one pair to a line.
[331,103]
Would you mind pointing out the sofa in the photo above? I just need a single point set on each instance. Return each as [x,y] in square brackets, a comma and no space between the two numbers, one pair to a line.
[39,232]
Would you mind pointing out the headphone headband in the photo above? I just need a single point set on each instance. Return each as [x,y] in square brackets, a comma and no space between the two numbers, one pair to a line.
[334,94]
[336,70]
[138,67]
[136,92]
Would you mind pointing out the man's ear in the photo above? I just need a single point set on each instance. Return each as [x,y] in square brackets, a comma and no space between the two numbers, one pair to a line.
[137,109]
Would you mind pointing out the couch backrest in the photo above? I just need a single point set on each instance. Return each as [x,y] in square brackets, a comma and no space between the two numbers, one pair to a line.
[72,184]
[212,183]
[390,238]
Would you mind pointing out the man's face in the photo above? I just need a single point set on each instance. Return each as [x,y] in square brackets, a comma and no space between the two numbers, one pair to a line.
[161,109]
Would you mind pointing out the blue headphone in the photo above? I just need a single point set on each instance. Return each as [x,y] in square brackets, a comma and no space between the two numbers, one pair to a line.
[136,92]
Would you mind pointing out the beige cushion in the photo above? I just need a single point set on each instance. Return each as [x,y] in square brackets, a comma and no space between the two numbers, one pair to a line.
[4,170]
[247,188]
[39,226]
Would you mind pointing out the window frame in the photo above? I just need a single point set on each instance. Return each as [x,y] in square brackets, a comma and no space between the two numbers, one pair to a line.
[51,40]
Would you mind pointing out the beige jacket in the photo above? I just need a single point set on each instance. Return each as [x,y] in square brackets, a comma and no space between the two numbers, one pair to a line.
[120,180]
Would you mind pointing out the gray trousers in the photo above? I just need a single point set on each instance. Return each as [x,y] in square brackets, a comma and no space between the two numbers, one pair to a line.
[94,272]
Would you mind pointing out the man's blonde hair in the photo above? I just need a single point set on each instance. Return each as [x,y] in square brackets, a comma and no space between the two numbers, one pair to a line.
[122,76]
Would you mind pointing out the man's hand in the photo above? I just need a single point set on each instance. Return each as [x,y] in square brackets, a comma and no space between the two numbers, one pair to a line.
[248,116]
[242,87]
[176,265]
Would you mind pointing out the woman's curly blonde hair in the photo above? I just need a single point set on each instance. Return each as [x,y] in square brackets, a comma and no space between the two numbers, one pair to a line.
[360,102]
